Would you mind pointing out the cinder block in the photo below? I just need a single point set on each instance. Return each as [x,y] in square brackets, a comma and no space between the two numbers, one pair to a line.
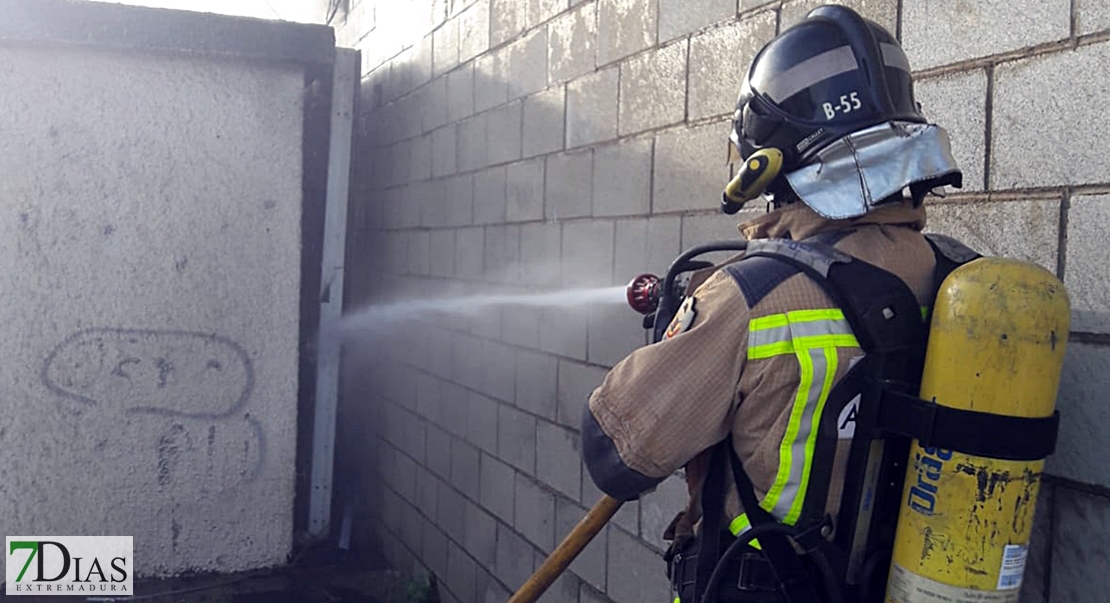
[424,202]
[576,383]
[434,104]
[489,196]
[540,246]
[536,382]
[558,459]
[516,438]
[1038,561]
[572,44]
[645,245]
[472,151]
[498,370]
[592,108]
[500,251]
[462,573]
[498,485]
[505,133]
[444,150]
[452,512]
[445,47]
[420,160]
[515,557]
[690,168]
[622,178]
[508,20]
[460,93]
[590,563]
[938,33]
[958,102]
[469,243]
[413,434]
[719,61]
[418,255]
[474,25]
[750,4]
[427,396]
[427,492]
[540,11]
[481,535]
[434,549]
[1024,230]
[392,509]
[1084,420]
[520,326]
[681,17]
[528,64]
[1091,16]
[481,422]
[563,332]
[525,188]
[636,573]
[1036,146]
[1080,547]
[453,401]
[439,357]
[404,477]
[534,516]
[467,370]
[1087,259]
[587,259]
[411,526]
[491,80]
[653,89]
[544,122]
[628,517]
[624,27]
[493,591]
[614,331]
[569,176]
[659,507]
[883,12]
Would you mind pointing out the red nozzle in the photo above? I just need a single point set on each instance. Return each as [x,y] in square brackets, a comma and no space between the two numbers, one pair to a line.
[643,293]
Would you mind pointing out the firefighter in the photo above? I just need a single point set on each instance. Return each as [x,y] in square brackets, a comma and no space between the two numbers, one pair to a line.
[830,135]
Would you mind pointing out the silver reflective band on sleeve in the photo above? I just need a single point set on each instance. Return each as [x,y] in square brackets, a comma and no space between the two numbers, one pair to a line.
[828,64]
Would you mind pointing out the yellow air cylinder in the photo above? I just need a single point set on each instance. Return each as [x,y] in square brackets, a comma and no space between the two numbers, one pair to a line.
[996,345]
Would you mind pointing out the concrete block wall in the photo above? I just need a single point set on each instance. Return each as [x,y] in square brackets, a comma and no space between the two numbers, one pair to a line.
[523,145]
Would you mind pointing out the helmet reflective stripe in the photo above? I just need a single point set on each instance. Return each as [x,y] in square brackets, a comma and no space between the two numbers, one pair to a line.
[813,337]
[826,65]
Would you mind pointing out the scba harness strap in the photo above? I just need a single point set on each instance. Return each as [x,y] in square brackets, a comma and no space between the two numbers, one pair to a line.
[890,327]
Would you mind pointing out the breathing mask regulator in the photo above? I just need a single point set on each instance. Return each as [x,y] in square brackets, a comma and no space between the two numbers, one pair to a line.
[826,116]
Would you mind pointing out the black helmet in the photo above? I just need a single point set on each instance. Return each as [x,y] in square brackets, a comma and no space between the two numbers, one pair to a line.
[833,74]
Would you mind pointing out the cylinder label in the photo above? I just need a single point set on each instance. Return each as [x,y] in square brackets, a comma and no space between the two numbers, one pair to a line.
[907,587]
[1013,566]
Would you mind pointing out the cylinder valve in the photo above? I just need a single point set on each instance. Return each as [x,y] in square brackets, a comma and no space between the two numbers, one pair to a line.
[643,293]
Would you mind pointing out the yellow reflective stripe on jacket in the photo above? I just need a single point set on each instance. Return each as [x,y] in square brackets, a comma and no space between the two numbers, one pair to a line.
[812,336]
[740,525]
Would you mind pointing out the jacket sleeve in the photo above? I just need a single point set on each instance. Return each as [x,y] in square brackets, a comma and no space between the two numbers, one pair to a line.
[664,403]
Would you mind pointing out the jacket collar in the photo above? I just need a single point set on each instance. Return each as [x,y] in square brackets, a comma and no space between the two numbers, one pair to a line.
[797,221]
